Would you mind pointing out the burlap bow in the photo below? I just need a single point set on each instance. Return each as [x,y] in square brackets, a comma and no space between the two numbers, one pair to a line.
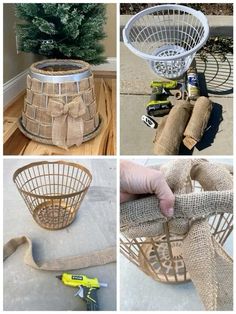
[209,266]
[67,125]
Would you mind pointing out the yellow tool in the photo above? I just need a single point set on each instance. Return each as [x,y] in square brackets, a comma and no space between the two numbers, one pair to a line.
[165,84]
[87,288]
[159,104]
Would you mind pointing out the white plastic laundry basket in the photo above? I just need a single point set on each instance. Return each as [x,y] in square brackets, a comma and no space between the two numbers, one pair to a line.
[168,36]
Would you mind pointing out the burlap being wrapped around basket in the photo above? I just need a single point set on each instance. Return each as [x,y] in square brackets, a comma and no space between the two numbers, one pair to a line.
[209,266]
[63,113]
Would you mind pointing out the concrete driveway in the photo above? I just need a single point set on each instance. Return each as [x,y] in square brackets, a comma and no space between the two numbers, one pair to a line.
[94,228]
[216,79]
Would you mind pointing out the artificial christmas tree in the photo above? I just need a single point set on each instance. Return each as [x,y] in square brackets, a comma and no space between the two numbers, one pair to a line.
[60,105]
[65,30]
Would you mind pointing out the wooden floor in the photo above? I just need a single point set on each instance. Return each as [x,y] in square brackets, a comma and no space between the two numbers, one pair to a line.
[15,143]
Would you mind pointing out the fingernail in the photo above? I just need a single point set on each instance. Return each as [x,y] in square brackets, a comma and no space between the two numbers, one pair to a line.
[169,212]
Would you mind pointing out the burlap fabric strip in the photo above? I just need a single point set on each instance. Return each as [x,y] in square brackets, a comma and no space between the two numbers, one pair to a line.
[198,122]
[209,266]
[169,135]
[95,258]
[185,123]
[68,125]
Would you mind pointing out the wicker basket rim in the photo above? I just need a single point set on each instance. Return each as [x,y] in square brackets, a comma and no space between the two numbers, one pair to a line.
[35,67]
[61,162]
[46,141]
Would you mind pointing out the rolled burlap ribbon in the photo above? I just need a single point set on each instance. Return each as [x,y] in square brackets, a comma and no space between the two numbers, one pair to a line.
[160,129]
[198,122]
[209,266]
[169,136]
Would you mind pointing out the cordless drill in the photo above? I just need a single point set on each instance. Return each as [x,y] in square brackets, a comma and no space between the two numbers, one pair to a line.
[87,288]
[159,105]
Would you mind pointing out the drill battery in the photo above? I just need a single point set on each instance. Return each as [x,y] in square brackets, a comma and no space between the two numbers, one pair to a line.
[159,105]
[158,108]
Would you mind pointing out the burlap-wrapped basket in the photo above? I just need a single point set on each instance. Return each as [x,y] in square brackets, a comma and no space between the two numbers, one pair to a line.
[190,244]
[60,105]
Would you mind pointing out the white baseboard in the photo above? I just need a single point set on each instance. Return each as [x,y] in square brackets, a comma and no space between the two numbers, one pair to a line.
[15,86]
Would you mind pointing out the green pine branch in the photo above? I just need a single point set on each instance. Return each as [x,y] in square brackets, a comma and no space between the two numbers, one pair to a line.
[62,30]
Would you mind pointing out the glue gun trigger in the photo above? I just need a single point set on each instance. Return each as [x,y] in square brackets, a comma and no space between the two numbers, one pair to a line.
[80,292]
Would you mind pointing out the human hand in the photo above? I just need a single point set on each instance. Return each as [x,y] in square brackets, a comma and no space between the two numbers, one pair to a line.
[136,179]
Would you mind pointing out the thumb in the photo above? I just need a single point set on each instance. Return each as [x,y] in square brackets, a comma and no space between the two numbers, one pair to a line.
[167,206]
[164,194]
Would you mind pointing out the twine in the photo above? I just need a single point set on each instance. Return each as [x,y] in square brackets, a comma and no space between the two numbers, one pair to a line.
[35,67]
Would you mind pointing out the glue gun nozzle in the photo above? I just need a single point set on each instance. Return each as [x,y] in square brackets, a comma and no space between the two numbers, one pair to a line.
[59,277]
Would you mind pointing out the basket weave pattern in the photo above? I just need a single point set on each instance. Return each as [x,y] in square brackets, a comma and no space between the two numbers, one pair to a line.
[37,117]
[53,191]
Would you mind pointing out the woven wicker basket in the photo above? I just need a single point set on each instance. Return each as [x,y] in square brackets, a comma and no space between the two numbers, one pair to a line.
[53,191]
[60,106]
